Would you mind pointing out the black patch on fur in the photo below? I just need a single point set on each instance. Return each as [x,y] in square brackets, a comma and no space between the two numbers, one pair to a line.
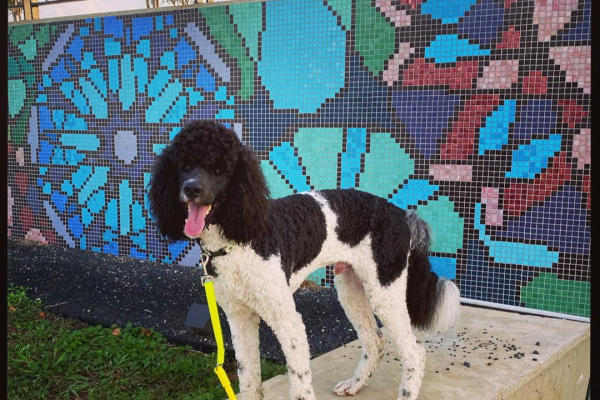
[360,213]
[163,194]
[421,290]
[294,229]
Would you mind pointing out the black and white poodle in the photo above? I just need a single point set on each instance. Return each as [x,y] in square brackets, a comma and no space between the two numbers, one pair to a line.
[206,184]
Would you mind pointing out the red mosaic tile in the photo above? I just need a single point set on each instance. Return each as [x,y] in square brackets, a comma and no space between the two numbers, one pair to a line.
[535,83]
[21,179]
[572,113]
[518,196]
[511,39]
[421,73]
[460,141]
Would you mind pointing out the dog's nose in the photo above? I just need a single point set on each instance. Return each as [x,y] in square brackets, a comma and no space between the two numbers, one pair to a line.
[193,189]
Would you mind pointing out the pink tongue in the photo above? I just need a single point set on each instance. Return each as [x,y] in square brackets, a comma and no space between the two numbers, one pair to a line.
[194,224]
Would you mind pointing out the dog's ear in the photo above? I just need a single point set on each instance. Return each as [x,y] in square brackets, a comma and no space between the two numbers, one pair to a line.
[242,216]
[163,192]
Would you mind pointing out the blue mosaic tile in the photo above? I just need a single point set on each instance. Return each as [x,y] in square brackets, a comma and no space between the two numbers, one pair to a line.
[529,160]
[426,114]
[494,133]
[113,26]
[483,22]
[141,27]
[443,266]
[448,12]
[536,117]
[447,49]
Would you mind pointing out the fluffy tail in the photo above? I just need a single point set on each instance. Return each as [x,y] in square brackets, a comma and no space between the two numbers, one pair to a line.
[433,302]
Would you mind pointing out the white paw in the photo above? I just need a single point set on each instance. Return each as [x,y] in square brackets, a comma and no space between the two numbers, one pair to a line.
[348,387]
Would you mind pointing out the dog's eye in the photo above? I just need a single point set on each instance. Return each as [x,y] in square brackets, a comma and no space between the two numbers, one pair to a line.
[185,167]
[217,171]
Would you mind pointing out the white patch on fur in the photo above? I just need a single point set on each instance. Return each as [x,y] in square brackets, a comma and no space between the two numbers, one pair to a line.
[390,306]
[447,310]
[353,299]
[246,279]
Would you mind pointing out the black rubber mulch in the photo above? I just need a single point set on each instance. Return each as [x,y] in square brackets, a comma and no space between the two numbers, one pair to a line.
[102,289]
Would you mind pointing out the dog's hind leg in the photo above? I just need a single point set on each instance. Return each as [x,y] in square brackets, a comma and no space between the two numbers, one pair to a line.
[243,323]
[389,304]
[356,305]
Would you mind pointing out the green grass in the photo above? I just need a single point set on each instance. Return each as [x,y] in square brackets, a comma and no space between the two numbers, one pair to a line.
[50,357]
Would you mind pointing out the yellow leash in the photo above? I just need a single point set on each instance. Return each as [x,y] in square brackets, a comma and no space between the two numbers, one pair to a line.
[207,282]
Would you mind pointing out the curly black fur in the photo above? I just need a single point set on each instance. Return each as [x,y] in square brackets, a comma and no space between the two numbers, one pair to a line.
[240,209]
[163,195]
[295,230]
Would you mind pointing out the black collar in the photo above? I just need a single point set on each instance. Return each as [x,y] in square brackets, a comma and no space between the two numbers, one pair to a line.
[209,269]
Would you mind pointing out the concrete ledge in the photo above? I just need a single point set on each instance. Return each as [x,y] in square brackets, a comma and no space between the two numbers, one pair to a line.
[491,355]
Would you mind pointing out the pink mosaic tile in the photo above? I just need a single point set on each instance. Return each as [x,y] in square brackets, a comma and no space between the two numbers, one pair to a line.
[398,17]
[34,235]
[412,3]
[576,62]
[582,148]
[552,15]
[390,74]
[489,197]
[20,156]
[451,172]
[499,74]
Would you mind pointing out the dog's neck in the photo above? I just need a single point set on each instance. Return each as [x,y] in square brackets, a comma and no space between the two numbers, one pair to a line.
[212,238]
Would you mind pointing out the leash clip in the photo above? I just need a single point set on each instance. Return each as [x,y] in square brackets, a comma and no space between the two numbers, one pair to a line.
[205,275]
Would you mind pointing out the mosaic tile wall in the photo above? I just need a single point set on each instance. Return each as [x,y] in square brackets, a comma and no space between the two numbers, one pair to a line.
[475,113]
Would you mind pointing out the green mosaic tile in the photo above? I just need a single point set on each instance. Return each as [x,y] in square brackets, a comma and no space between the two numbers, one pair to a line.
[18,34]
[19,127]
[274,181]
[343,9]
[447,226]
[14,68]
[42,35]
[375,37]
[29,48]
[318,276]
[221,29]
[16,96]
[319,149]
[386,166]
[248,19]
[547,292]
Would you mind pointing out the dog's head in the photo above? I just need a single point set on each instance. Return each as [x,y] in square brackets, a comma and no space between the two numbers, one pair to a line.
[207,176]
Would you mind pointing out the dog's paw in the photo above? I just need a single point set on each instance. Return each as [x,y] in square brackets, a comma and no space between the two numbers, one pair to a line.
[348,387]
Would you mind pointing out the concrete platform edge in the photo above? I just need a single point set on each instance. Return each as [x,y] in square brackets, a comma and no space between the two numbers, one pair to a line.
[541,382]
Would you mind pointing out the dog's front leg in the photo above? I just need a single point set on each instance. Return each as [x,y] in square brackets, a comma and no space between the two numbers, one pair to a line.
[243,323]
[281,315]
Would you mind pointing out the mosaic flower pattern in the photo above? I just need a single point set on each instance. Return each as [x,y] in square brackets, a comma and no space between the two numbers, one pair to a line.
[474,114]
